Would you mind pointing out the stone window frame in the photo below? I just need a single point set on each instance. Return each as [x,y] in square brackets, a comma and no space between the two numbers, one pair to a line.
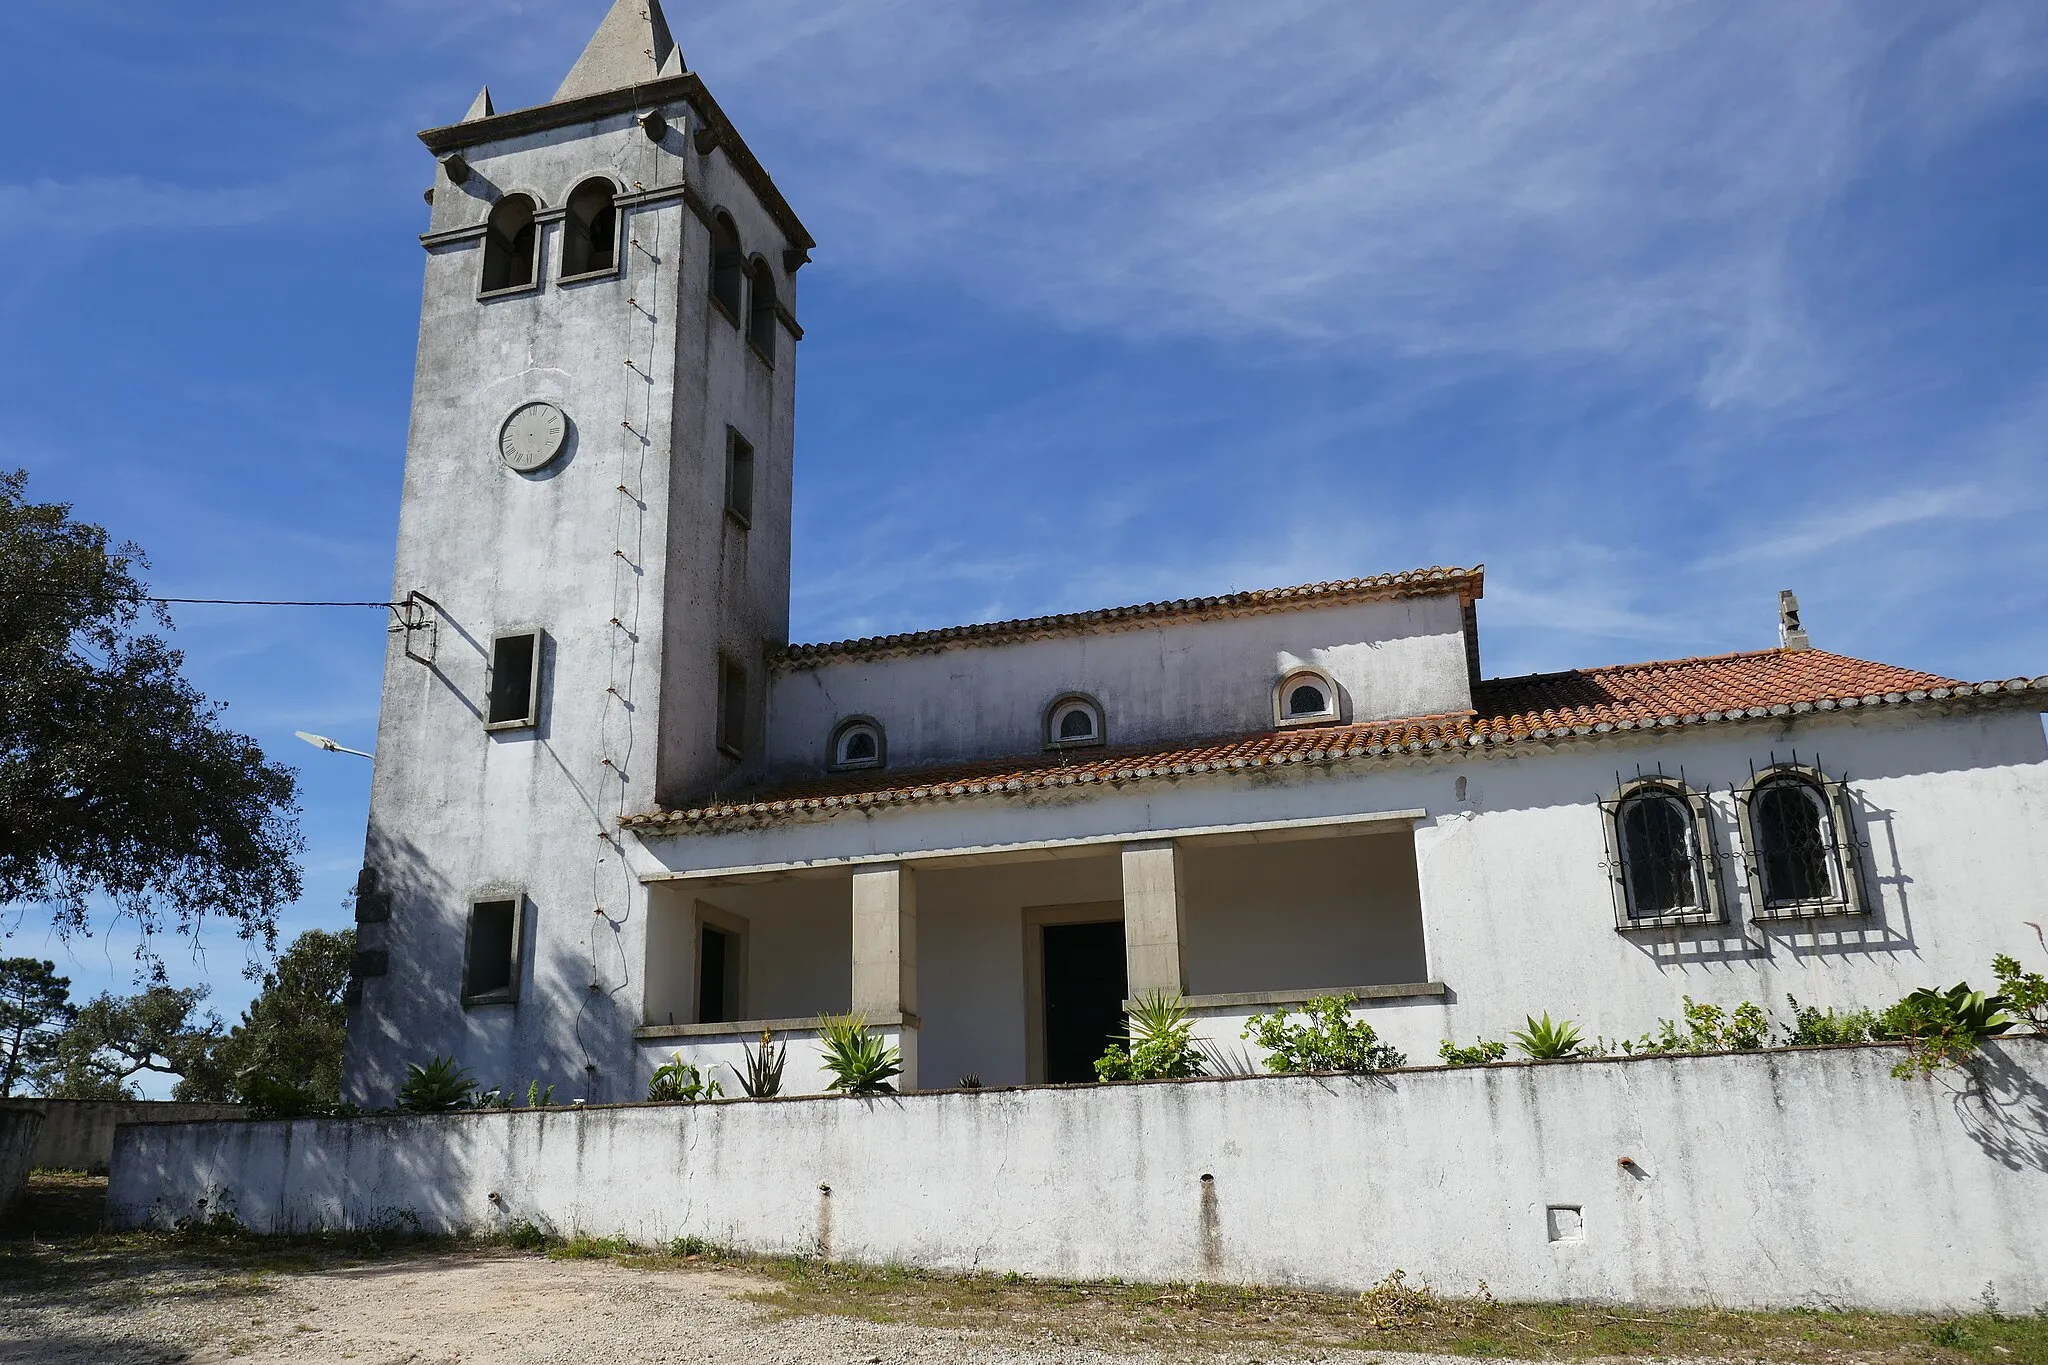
[540,215]
[1057,709]
[835,759]
[617,268]
[1331,714]
[509,993]
[1706,857]
[531,719]
[1845,866]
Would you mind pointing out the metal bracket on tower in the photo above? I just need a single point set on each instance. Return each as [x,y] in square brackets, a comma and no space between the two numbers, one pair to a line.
[418,617]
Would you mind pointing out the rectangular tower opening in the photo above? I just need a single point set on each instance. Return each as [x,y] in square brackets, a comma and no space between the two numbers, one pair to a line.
[514,698]
[491,970]
[739,478]
[732,708]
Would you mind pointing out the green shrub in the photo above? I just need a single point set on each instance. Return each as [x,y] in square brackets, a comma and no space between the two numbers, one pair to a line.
[861,1061]
[526,1236]
[2026,993]
[1330,1039]
[436,1088]
[537,1098]
[1545,1041]
[1479,1054]
[1158,1043]
[1814,1027]
[1708,1028]
[1944,1027]
[676,1081]
[268,1097]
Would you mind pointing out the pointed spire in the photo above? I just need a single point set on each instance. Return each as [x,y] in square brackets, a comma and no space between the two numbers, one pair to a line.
[482,108]
[631,47]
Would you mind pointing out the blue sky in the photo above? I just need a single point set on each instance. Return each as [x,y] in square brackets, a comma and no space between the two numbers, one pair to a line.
[1654,309]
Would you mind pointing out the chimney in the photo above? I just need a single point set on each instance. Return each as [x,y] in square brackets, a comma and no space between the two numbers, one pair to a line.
[1791,635]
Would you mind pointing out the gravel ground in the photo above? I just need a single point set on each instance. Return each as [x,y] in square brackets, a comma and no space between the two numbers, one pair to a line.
[520,1310]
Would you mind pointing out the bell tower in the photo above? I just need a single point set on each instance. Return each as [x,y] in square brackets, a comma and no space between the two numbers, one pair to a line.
[593,553]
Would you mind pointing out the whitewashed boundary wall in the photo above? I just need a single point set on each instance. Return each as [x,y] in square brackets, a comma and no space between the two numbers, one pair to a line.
[1777,1178]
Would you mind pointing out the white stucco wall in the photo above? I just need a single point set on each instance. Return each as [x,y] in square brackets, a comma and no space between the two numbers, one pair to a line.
[1156,683]
[1517,911]
[1797,1178]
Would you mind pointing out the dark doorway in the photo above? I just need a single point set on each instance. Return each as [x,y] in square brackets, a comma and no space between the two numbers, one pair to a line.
[1084,996]
[712,952]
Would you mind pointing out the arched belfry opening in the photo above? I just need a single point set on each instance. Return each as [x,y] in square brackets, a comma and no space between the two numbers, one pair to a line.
[761,308]
[728,267]
[590,230]
[511,244]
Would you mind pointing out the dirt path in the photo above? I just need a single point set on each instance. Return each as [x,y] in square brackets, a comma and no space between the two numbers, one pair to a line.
[519,1310]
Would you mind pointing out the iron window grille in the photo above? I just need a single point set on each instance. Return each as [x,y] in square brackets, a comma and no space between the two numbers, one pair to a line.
[1800,852]
[1662,863]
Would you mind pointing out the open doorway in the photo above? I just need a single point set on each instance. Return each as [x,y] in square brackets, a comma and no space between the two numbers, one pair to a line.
[1084,985]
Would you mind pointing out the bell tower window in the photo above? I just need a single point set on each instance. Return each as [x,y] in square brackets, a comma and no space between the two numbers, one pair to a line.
[590,232]
[761,317]
[728,268]
[511,246]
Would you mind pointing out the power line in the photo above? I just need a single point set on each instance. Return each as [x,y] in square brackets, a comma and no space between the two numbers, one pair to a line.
[191,601]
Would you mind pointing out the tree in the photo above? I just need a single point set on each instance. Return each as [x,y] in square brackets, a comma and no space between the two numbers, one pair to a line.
[117,779]
[113,1039]
[285,1054]
[35,1006]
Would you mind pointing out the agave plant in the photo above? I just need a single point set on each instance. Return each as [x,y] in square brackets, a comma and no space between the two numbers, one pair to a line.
[762,1074]
[1158,1043]
[436,1088]
[1545,1041]
[677,1081]
[861,1061]
[1945,1027]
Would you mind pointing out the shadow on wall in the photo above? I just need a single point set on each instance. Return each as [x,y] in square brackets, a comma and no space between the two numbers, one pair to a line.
[2005,1111]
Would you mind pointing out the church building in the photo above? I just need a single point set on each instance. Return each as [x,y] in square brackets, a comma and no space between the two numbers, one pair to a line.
[618,815]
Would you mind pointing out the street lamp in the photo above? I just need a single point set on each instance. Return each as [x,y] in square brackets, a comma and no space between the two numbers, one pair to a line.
[323,742]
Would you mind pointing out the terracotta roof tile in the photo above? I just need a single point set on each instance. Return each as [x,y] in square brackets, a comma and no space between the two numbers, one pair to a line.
[1543,706]
[1431,582]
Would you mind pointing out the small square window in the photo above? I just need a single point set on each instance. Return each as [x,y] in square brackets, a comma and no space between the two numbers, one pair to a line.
[732,708]
[739,478]
[490,974]
[514,696]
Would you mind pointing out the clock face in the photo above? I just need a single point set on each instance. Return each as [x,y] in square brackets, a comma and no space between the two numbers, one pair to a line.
[532,435]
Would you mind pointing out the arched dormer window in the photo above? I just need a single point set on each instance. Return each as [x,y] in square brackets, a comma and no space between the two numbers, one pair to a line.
[762,322]
[1305,696]
[1798,837]
[590,231]
[728,267]
[1660,850]
[511,245]
[857,742]
[1073,721]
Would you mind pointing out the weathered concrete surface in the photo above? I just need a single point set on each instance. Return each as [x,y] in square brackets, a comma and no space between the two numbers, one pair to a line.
[19,1130]
[78,1135]
[1808,1177]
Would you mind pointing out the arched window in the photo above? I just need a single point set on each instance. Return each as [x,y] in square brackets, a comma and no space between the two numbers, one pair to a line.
[1802,859]
[511,243]
[857,743]
[590,231]
[1073,721]
[728,267]
[1305,697]
[1660,855]
[762,322]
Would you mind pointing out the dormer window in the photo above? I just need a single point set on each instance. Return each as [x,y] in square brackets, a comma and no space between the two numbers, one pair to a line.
[1305,697]
[1073,722]
[857,743]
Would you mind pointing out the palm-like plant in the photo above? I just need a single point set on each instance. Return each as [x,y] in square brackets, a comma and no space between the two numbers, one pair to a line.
[676,1080]
[1545,1041]
[861,1061]
[436,1088]
[762,1074]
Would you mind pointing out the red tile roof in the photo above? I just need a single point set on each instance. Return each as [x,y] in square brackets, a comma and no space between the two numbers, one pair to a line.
[1432,582]
[1542,706]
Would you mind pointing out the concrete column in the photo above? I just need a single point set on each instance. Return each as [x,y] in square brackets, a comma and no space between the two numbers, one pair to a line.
[885,956]
[1155,955]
